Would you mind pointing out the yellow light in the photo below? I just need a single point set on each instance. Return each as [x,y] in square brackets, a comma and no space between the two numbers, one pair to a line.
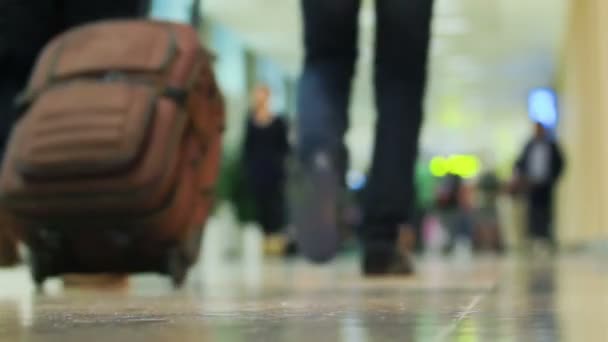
[456,164]
[472,167]
[465,166]
[439,167]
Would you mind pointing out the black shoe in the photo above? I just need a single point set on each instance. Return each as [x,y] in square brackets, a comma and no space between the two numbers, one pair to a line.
[291,250]
[385,258]
[316,209]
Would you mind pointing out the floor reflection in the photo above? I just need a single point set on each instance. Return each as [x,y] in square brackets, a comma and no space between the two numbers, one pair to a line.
[485,299]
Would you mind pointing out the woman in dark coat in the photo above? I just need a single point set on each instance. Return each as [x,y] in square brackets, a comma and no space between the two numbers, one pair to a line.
[265,152]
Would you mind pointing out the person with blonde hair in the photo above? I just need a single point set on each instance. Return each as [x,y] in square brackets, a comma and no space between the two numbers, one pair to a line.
[264,157]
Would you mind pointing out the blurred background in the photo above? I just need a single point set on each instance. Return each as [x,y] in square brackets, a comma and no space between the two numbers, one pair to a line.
[494,67]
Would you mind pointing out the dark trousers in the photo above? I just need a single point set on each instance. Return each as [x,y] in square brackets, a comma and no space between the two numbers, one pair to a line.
[402,42]
[27,25]
[540,215]
[270,207]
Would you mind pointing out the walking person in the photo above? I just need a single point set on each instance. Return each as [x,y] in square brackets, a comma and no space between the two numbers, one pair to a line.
[265,156]
[330,41]
[538,168]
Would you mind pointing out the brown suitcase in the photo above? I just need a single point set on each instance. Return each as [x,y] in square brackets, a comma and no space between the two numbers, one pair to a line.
[112,166]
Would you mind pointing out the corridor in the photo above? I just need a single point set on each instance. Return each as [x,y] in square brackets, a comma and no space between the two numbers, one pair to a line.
[484,299]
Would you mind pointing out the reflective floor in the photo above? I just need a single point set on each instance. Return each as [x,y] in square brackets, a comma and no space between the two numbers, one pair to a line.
[513,298]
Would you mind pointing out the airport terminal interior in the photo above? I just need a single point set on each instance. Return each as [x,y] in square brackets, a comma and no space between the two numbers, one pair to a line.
[494,68]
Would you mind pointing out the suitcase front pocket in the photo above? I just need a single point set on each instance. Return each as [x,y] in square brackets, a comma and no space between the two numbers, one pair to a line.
[84,128]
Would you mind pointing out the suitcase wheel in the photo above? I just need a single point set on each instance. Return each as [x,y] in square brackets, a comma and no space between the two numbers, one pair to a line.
[177,267]
[183,256]
[40,268]
[191,246]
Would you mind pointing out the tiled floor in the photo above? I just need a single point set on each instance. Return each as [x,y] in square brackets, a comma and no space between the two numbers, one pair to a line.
[485,299]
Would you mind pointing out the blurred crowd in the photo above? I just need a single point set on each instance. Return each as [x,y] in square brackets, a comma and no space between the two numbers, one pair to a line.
[449,210]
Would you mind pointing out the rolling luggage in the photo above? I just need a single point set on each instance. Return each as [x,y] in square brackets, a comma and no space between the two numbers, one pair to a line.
[112,164]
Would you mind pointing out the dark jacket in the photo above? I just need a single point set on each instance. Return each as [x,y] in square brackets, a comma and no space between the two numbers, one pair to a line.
[555,169]
[265,152]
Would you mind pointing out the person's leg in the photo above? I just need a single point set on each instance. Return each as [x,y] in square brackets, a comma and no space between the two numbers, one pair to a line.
[545,221]
[277,237]
[330,40]
[540,212]
[551,223]
[26,26]
[402,42]
[270,201]
[532,218]
[420,216]
[540,216]
[267,217]
[279,210]
[448,221]
[539,221]
[263,213]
